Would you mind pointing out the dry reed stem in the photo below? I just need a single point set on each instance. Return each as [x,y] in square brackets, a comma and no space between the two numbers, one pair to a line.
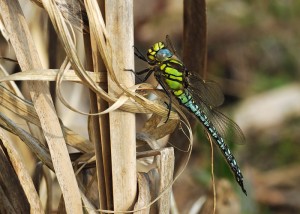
[119,25]
[94,126]
[165,162]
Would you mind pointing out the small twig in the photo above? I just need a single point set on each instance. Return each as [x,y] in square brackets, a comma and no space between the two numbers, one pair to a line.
[9,59]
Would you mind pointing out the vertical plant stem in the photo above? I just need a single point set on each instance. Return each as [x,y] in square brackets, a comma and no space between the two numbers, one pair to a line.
[119,23]
[94,130]
[104,122]
[106,152]
[194,36]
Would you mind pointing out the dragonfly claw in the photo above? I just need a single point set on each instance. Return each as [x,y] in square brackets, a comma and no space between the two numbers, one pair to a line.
[169,106]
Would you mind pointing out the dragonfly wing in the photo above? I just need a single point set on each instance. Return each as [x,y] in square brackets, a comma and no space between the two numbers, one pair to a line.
[208,91]
[226,127]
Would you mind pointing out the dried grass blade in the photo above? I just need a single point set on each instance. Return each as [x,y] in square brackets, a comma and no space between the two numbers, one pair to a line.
[22,108]
[87,204]
[23,175]
[51,75]
[35,146]
[144,196]
[25,110]
[12,196]
[77,141]
[10,85]
[159,131]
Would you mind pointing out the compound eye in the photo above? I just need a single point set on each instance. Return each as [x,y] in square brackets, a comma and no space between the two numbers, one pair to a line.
[163,55]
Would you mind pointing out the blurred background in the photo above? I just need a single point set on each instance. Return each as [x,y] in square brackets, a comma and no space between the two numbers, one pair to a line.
[253,49]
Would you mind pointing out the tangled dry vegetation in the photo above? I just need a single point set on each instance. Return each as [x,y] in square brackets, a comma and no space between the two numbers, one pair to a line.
[102,173]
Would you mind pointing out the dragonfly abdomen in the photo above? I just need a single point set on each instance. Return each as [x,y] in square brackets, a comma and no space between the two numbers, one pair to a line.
[187,100]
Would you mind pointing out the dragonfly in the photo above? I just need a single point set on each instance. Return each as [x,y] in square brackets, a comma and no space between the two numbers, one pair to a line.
[200,97]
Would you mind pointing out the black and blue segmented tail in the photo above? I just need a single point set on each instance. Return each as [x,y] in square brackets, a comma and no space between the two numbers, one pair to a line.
[186,99]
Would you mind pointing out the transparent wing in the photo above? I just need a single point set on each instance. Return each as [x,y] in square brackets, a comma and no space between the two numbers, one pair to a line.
[226,127]
[171,46]
[207,91]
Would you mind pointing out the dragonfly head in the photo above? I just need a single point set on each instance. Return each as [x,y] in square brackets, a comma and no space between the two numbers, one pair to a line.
[158,53]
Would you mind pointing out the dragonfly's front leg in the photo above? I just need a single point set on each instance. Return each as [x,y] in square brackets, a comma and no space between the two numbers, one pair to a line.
[139,55]
[165,88]
[149,71]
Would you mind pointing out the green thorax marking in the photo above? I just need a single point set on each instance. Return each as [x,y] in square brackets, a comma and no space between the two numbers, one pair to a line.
[173,77]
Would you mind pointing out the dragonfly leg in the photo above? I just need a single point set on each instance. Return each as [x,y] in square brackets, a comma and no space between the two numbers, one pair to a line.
[136,75]
[165,88]
[140,55]
[169,107]
[149,71]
